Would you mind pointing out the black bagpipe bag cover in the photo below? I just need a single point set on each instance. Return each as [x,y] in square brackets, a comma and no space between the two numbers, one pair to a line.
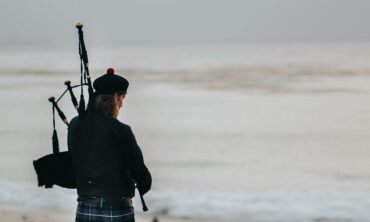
[55,169]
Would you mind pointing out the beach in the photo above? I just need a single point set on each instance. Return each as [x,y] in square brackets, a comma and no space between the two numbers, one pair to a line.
[21,214]
[255,133]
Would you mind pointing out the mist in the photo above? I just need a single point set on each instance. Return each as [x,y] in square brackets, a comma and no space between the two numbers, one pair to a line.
[113,22]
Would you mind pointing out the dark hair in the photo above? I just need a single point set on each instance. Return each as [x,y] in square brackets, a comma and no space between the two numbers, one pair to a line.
[105,105]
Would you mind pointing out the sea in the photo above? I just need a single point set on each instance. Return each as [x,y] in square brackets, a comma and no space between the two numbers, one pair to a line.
[273,132]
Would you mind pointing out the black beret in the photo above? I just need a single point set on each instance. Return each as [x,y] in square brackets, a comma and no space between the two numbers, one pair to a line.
[110,83]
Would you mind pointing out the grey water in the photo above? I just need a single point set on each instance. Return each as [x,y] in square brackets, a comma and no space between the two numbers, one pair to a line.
[275,132]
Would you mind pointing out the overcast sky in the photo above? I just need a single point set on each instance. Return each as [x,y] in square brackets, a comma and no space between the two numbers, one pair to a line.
[110,22]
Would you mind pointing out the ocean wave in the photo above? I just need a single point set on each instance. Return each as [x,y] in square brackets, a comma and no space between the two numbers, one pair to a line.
[296,59]
[193,72]
[272,68]
[254,78]
[264,206]
[279,205]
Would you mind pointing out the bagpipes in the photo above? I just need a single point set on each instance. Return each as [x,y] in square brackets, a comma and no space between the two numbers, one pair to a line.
[57,168]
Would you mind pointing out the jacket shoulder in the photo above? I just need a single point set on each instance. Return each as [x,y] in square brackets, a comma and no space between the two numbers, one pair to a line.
[120,129]
[74,123]
[120,125]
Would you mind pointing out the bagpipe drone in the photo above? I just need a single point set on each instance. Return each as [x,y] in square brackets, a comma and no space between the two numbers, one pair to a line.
[57,167]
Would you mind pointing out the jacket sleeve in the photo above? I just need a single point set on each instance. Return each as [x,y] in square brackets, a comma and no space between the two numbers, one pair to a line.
[138,170]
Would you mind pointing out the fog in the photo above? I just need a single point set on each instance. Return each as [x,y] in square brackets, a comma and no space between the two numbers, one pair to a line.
[112,22]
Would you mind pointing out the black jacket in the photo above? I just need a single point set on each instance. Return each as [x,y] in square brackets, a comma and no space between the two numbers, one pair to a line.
[107,159]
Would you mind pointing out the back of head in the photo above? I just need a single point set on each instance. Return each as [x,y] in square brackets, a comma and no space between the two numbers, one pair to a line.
[105,104]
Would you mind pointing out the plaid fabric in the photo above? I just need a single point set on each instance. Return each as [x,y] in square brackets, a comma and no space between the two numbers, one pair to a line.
[94,213]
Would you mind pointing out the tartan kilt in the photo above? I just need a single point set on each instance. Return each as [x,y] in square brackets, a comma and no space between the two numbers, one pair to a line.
[94,213]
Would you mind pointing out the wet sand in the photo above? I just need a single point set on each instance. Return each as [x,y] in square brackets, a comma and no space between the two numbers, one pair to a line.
[23,214]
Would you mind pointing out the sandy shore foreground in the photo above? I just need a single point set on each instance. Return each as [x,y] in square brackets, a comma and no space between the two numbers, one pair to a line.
[28,214]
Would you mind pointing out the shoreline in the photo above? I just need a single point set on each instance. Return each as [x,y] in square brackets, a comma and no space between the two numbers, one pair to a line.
[13,213]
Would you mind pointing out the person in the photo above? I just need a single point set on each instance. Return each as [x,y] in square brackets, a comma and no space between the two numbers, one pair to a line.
[106,157]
